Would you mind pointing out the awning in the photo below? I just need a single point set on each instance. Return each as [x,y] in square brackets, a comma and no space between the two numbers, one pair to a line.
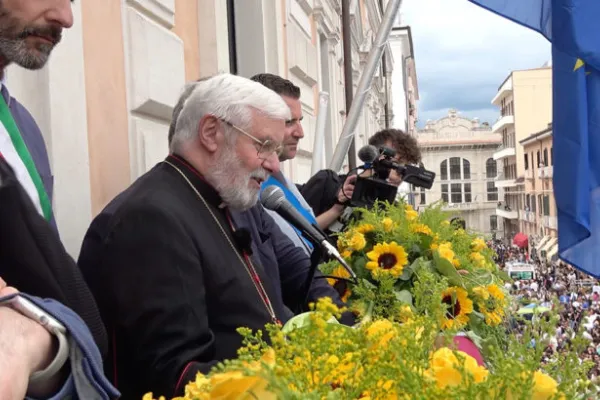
[542,242]
[552,252]
[548,245]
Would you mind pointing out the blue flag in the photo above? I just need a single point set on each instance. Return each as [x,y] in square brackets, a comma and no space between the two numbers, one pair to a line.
[573,27]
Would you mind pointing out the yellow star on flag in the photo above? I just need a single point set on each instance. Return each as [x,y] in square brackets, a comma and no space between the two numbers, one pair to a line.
[578,64]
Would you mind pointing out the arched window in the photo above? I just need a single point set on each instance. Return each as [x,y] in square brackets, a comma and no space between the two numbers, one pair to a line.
[466,169]
[546,157]
[455,168]
[444,170]
[491,168]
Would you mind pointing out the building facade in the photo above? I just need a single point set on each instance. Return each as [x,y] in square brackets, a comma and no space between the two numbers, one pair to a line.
[105,99]
[525,102]
[537,218]
[405,91]
[460,151]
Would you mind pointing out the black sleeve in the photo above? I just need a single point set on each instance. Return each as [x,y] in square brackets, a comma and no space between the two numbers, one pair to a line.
[320,192]
[157,293]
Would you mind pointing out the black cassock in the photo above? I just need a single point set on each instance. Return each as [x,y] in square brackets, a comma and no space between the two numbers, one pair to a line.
[170,287]
[33,259]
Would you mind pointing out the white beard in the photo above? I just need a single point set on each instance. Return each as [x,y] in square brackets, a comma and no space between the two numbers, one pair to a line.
[232,182]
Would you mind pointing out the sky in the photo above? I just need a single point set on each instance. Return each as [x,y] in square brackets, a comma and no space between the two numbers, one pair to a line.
[463,53]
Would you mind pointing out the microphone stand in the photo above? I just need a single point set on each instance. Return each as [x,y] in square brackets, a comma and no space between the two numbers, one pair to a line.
[315,259]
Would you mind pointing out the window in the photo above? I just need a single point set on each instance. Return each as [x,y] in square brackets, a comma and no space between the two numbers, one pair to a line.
[540,204]
[423,196]
[466,169]
[444,170]
[467,193]
[539,161]
[527,202]
[455,168]
[493,222]
[533,205]
[456,193]
[526,161]
[445,192]
[551,155]
[492,192]
[546,157]
[491,168]
[546,205]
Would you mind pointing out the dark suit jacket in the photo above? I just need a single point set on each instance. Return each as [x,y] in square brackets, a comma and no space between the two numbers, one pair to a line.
[171,290]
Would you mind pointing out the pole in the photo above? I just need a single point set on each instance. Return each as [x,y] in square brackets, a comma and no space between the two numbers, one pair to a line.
[386,104]
[319,143]
[348,81]
[347,137]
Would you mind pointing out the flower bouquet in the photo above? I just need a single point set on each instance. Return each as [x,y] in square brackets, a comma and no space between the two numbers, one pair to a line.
[423,285]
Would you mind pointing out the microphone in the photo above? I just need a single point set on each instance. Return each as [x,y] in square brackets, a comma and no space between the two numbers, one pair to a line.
[273,198]
[368,154]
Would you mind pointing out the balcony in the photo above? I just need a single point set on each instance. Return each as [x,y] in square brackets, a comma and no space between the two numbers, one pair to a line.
[505,152]
[502,181]
[549,222]
[504,90]
[529,174]
[527,216]
[503,122]
[546,172]
[504,211]
[466,206]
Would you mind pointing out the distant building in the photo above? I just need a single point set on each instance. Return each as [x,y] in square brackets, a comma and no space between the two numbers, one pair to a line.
[525,101]
[460,151]
[537,218]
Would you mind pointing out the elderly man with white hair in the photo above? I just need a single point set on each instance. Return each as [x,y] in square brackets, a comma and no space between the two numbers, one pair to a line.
[173,276]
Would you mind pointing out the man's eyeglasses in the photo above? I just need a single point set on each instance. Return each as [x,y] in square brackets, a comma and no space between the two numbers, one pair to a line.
[266,147]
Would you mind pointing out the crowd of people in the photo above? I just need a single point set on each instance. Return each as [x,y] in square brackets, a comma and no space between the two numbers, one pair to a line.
[556,284]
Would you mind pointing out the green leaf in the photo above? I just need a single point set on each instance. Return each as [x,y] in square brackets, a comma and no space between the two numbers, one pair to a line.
[446,268]
[302,321]
[475,338]
[404,296]
[408,271]
[504,276]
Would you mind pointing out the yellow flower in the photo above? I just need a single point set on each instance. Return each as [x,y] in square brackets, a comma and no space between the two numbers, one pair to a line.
[410,213]
[388,224]
[387,258]
[434,246]
[234,385]
[421,228]
[445,251]
[357,241]
[341,285]
[544,386]
[478,245]
[446,368]
[491,303]
[445,223]
[460,306]
[346,253]
[364,228]
[381,331]
[478,259]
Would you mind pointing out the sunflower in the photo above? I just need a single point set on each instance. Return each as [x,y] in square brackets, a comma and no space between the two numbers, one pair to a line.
[445,251]
[421,228]
[364,228]
[460,306]
[478,259]
[491,303]
[388,258]
[341,285]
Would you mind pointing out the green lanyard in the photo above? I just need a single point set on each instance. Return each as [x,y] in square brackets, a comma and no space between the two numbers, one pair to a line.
[17,140]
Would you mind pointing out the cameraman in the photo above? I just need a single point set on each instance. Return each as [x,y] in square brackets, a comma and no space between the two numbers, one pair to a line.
[329,193]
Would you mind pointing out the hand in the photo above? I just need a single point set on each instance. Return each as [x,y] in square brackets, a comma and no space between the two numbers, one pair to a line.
[25,347]
[345,193]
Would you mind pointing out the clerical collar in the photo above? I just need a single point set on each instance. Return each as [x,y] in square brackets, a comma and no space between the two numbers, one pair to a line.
[209,193]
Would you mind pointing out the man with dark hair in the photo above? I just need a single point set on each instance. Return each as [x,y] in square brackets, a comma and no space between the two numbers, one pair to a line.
[327,189]
[290,93]
[46,350]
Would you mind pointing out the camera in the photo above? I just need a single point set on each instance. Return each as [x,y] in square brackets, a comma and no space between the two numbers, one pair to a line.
[374,188]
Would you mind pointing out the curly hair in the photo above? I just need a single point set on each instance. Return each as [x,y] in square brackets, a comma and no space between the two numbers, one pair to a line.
[279,85]
[406,146]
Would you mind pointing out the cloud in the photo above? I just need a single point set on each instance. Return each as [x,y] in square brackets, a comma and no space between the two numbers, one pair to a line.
[463,53]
